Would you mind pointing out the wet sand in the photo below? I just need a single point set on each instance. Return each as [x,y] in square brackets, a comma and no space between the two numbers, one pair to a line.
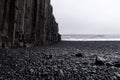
[59,61]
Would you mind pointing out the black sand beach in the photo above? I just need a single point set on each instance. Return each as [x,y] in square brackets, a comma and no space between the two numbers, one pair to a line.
[67,60]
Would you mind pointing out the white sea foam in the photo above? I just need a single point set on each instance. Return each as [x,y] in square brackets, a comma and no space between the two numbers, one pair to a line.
[91,37]
[73,39]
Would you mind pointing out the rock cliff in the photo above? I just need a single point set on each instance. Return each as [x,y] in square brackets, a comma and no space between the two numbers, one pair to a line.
[27,21]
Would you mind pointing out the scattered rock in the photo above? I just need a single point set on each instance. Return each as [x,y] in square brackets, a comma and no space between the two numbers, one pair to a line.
[117,75]
[109,64]
[53,65]
[31,70]
[44,75]
[79,55]
[21,44]
[117,64]
[94,66]
[114,77]
[85,63]
[27,45]
[85,69]
[1,78]
[61,73]
[48,56]
[99,60]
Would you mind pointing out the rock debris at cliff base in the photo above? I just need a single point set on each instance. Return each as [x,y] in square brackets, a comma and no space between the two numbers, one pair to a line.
[59,62]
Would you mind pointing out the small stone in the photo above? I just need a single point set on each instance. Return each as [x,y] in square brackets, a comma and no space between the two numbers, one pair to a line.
[61,73]
[45,74]
[79,55]
[37,78]
[84,69]
[77,62]
[114,77]
[28,45]
[48,56]
[94,71]
[75,69]
[94,66]
[31,70]
[21,44]
[85,63]
[117,74]
[117,64]
[109,64]
[1,78]
[113,67]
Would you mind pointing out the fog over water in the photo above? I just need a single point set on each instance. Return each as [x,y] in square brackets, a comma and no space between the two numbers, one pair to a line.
[87,16]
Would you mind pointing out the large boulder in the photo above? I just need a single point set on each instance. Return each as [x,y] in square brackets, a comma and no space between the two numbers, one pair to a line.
[99,60]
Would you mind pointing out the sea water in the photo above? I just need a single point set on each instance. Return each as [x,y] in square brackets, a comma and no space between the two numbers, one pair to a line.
[90,37]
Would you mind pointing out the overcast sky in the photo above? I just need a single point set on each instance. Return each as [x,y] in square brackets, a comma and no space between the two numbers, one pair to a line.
[87,16]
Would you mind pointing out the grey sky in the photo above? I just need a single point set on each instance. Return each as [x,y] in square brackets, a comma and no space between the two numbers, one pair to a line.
[87,16]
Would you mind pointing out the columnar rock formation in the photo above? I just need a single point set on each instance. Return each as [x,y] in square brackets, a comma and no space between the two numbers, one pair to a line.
[27,21]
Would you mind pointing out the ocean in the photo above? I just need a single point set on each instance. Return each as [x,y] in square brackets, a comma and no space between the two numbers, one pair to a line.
[89,37]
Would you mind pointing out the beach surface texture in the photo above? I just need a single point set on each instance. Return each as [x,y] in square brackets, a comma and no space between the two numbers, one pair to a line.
[67,60]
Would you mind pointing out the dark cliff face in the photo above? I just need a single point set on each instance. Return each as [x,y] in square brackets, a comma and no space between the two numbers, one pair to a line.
[27,21]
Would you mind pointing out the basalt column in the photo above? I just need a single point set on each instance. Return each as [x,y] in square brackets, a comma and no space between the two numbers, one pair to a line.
[38,33]
[40,22]
[11,21]
[34,19]
[28,21]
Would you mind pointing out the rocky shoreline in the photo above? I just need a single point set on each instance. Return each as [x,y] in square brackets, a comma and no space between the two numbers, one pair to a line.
[67,60]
